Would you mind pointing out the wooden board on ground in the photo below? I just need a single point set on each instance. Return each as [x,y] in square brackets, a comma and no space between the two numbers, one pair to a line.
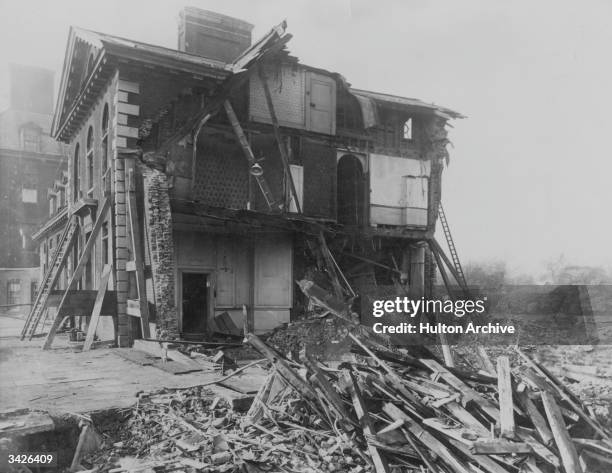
[135,356]
[245,383]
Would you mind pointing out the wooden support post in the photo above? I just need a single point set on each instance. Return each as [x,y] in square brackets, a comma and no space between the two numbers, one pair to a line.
[506,404]
[438,250]
[95,314]
[279,138]
[446,350]
[380,463]
[569,455]
[137,247]
[78,272]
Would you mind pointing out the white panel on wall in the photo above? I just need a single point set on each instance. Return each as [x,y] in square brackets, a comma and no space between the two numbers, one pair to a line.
[398,190]
[273,278]
[286,85]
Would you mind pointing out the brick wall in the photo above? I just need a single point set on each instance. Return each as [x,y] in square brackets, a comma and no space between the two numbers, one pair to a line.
[158,222]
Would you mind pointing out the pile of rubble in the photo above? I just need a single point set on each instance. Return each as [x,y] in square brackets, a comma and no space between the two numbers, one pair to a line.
[384,411]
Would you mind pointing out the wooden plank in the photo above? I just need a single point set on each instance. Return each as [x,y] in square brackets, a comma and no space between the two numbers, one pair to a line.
[137,247]
[500,447]
[279,138]
[487,463]
[537,419]
[567,450]
[469,394]
[487,365]
[506,404]
[95,314]
[564,395]
[432,443]
[380,463]
[78,271]
[283,369]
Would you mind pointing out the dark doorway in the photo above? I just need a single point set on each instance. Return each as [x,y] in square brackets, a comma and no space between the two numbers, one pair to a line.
[351,191]
[195,302]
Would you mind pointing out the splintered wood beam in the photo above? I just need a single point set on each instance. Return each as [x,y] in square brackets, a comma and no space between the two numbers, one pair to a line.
[567,450]
[432,443]
[506,404]
[278,137]
[137,248]
[95,314]
[537,419]
[550,384]
[78,271]
[248,152]
[330,266]
[468,394]
[485,361]
[282,367]
[380,463]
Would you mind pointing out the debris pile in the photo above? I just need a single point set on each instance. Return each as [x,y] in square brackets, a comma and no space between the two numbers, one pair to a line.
[385,411]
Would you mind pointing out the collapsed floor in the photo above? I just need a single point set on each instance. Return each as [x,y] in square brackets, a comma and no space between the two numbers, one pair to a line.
[381,410]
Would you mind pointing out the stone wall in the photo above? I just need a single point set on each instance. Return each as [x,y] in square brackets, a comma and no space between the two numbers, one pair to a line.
[158,224]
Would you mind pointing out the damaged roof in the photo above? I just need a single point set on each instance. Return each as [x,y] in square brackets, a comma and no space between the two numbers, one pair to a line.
[377,97]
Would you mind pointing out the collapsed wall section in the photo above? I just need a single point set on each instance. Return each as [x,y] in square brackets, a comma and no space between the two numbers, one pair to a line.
[158,224]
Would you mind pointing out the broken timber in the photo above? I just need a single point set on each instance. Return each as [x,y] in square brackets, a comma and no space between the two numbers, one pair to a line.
[95,315]
[248,152]
[78,272]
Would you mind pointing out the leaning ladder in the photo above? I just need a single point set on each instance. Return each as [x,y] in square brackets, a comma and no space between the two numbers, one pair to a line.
[451,246]
[50,279]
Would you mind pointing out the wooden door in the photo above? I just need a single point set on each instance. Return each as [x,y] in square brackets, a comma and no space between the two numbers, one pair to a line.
[320,104]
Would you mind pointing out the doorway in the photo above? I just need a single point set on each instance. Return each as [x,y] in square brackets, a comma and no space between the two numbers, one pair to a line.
[194,302]
[351,191]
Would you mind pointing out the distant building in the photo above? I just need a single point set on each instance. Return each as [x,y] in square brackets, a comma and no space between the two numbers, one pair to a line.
[30,162]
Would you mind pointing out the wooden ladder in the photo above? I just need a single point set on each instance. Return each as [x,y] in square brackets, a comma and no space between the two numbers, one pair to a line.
[50,279]
[78,271]
[451,247]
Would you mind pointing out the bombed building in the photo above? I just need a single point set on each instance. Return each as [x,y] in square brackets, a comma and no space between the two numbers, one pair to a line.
[204,182]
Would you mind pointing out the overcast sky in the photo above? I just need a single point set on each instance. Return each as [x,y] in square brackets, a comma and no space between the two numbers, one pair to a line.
[530,168]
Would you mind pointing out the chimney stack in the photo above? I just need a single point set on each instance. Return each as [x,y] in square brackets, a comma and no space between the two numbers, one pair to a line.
[213,35]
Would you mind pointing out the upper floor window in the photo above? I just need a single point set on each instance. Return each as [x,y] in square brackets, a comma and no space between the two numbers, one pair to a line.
[90,162]
[104,157]
[29,187]
[13,291]
[30,138]
[407,131]
[76,174]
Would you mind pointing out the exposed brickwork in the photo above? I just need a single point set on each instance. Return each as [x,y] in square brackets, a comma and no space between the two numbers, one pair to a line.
[158,220]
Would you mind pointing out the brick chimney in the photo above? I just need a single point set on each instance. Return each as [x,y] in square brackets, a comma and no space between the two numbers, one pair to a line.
[213,35]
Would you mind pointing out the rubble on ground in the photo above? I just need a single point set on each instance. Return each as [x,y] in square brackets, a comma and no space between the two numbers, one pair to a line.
[384,411]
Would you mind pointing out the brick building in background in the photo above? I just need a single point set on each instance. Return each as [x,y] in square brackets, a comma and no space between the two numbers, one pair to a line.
[204,181]
[30,162]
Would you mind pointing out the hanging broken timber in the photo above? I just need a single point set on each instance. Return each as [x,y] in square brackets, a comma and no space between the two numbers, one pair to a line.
[248,152]
[97,309]
[279,139]
[137,248]
[78,272]
[50,279]
[330,266]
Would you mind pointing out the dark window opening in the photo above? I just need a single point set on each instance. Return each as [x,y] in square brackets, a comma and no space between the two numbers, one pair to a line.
[76,174]
[351,191]
[90,163]
[104,146]
[105,245]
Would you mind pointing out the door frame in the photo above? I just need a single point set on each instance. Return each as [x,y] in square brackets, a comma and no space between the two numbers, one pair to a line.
[211,283]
